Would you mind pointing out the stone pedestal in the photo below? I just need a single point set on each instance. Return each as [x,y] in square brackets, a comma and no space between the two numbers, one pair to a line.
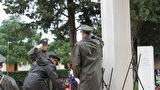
[117,42]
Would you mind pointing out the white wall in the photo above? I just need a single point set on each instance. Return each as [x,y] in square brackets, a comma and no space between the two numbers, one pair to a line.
[27,67]
[24,68]
[146,67]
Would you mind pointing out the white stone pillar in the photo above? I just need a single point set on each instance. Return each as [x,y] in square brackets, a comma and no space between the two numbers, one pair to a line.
[117,42]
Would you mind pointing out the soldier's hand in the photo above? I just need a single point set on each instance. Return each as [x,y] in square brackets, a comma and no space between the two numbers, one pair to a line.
[39,46]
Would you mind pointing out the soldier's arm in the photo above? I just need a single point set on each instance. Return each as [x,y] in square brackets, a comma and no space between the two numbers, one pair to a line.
[32,54]
[76,61]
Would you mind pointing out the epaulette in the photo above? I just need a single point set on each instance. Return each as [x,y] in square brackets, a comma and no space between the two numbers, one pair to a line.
[1,78]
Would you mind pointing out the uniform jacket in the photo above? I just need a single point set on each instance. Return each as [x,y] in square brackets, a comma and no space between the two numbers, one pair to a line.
[41,71]
[7,83]
[87,57]
[38,55]
[37,76]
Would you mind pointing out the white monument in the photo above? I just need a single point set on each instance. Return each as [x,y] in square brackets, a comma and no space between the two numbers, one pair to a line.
[117,42]
[146,68]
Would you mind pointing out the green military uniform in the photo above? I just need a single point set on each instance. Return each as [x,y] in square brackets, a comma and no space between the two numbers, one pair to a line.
[42,70]
[7,83]
[87,57]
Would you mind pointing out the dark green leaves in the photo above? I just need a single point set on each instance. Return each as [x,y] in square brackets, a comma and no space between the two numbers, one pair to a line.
[16,40]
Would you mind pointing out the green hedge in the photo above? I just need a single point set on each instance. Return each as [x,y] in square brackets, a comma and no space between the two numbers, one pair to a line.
[17,75]
[62,73]
[20,75]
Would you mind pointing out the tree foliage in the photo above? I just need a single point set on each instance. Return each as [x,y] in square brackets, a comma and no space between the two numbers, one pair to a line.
[61,49]
[54,15]
[143,11]
[58,16]
[149,36]
[16,40]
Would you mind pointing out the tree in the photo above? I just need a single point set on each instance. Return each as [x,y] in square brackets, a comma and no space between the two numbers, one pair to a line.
[148,35]
[58,16]
[16,40]
[142,11]
[61,48]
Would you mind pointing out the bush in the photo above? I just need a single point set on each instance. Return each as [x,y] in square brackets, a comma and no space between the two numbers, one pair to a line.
[62,73]
[17,75]
[20,75]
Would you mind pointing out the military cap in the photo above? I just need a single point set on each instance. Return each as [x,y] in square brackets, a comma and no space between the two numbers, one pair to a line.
[86,28]
[44,41]
[55,57]
[2,59]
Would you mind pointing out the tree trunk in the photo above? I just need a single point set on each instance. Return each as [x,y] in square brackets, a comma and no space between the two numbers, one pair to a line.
[71,21]
[135,26]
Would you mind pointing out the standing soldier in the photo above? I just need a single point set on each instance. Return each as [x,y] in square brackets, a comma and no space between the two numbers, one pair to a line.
[87,57]
[6,82]
[42,69]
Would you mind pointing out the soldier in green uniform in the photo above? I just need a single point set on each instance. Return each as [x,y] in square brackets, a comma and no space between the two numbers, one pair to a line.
[87,57]
[42,69]
[6,82]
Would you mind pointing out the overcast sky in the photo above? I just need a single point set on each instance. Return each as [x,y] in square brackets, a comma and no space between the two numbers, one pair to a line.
[3,15]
